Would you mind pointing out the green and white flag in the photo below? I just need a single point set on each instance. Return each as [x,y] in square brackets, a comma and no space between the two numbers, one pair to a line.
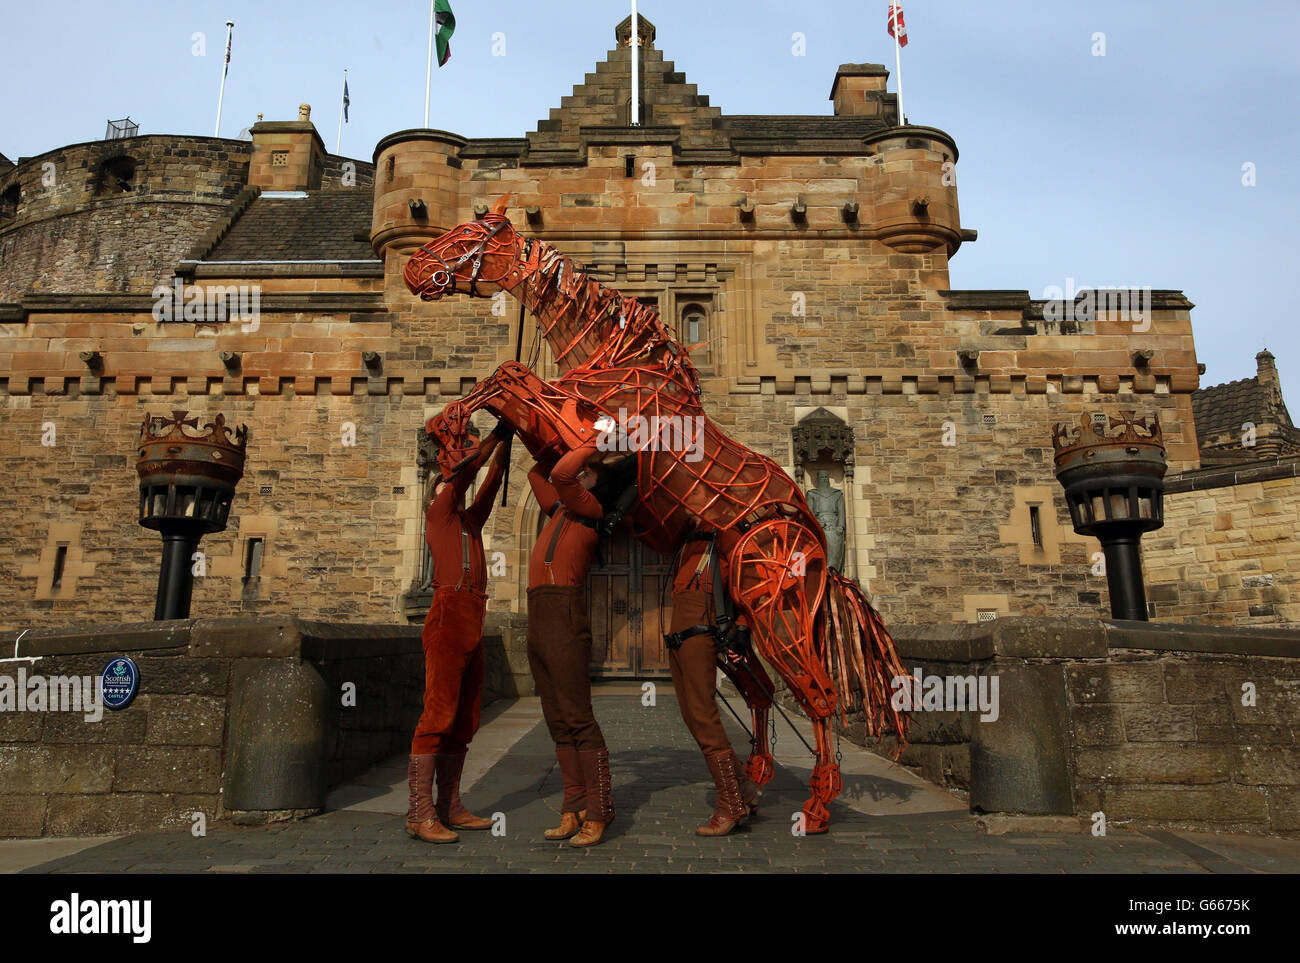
[446,27]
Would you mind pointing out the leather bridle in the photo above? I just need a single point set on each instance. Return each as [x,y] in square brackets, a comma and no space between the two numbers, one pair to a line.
[443,275]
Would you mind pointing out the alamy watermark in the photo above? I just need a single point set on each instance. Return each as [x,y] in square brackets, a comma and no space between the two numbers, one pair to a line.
[1130,305]
[919,692]
[632,433]
[57,693]
[208,303]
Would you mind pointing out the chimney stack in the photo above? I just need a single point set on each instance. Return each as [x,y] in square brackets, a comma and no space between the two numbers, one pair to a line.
[859,91]
[288,155]
[1267,370]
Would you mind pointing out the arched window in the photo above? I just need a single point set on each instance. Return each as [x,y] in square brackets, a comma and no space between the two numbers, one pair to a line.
[625,113]
[116,176]
[694,321]
[694,326]
[9,202]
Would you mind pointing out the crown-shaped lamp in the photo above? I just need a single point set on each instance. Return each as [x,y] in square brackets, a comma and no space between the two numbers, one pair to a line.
[188,473]
[1113,473]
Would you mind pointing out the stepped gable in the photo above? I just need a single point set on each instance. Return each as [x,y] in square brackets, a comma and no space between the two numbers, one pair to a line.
[598,111]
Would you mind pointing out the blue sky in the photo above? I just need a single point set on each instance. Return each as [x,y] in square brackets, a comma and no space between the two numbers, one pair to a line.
[1123,169]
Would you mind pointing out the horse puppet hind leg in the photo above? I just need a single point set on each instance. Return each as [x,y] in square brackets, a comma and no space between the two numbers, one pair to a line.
[749,677]
[778,578]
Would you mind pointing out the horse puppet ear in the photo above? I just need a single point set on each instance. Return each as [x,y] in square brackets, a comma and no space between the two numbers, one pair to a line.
[500,206]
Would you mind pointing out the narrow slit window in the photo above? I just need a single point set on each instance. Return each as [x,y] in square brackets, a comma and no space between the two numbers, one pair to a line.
[253,559]
[60,563]
[1035,527]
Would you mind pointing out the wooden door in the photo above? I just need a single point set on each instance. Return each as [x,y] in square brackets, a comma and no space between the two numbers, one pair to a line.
[624,590]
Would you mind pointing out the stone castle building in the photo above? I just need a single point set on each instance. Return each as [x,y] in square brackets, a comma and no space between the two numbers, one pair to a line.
[810,252]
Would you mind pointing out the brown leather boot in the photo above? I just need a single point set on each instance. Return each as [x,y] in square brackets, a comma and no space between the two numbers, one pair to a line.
[448,767]
[421,816]
[575,793]
[750,792]
[569,826]
[730,810]
[600,804]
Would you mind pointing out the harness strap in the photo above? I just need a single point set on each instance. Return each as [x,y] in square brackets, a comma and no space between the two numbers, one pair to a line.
[724,613]
[674,640]
[555,540]
[464,553]
[723,609]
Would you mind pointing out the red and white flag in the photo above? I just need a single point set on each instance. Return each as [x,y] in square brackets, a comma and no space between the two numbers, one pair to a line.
[896,15]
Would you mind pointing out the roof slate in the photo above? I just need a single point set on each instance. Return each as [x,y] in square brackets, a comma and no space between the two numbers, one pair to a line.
[319,227]
[1226,407]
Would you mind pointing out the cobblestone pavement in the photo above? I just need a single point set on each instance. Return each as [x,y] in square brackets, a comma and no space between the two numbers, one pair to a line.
[886,821]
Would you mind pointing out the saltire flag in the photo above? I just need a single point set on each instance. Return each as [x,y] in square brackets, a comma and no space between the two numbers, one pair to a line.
[230,36]
[896,14]
[346,100]
[446,27]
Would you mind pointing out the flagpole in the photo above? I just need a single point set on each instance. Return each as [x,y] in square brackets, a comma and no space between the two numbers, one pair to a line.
[338,144]
[428,69]
[898,64]
[634,41]
[225,67]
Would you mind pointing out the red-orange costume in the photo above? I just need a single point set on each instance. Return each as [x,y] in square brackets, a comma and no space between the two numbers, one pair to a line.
[559,644]
[453,652]
[811,624]
[695,653]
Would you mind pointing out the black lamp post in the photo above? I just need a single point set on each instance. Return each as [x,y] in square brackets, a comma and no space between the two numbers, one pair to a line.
[1114,486]
[187,482]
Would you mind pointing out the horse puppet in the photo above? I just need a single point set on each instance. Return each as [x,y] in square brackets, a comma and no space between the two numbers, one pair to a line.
[618,360]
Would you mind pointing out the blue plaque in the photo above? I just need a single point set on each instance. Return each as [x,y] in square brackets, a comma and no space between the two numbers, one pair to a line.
[121,681]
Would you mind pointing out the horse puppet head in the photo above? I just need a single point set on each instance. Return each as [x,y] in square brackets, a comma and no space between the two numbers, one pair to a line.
[477,258]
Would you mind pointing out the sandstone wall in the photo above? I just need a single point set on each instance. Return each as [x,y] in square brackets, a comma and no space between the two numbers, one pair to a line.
[76,230]
[1147,724]
[1228,554]
[235,719]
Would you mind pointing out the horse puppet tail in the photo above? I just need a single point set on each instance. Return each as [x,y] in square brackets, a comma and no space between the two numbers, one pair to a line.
[861,657]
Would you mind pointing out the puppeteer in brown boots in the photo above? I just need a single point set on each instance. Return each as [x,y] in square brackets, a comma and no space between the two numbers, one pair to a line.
[577,497]
[453,642]
[693,661]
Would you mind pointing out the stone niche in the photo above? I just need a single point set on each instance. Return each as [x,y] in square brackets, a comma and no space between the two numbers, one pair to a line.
[823,441]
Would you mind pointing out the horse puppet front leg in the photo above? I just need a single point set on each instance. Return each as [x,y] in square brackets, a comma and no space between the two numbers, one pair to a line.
[778,577]
[544,417]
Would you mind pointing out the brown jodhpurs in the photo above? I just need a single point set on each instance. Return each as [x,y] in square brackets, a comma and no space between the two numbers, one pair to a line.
[453,671]
[694,668]
[559,652]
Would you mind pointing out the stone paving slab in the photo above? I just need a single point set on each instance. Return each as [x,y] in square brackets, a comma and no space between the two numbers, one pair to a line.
[887,821]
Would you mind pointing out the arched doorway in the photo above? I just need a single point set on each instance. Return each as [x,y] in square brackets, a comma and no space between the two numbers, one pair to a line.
[625,588]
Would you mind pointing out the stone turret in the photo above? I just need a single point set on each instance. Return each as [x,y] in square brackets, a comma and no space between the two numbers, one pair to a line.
[417,189]
[916,200]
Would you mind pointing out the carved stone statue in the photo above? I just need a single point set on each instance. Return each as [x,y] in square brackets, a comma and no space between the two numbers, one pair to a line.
[827,505]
